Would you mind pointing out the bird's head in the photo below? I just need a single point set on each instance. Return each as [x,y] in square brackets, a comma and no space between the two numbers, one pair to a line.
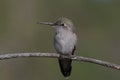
[60,23]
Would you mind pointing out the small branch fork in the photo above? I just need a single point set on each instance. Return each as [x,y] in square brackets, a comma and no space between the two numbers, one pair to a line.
[54,55]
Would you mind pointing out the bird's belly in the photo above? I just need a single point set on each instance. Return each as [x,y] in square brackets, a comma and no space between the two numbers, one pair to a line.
[64,44]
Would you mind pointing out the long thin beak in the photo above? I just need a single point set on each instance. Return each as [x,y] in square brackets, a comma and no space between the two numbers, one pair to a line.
[46,23]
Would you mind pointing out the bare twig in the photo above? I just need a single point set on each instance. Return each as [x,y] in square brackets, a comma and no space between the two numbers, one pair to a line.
[54,55]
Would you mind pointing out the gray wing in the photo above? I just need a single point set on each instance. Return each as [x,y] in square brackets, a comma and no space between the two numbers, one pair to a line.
[73,50]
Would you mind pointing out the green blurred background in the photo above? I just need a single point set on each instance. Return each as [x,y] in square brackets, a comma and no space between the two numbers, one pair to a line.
[98,28]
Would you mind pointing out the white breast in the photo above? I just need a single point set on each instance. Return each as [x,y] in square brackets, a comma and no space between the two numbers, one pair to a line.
[65,41]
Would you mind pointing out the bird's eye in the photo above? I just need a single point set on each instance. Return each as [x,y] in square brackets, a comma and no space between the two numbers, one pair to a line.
[62,24]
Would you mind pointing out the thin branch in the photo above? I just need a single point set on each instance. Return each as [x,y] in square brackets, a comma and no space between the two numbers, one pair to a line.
[54,55]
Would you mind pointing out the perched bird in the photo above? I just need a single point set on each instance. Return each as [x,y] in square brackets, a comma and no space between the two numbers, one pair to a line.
[64,42]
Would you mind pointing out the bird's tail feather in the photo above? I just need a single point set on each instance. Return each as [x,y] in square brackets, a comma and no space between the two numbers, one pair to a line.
[65,66]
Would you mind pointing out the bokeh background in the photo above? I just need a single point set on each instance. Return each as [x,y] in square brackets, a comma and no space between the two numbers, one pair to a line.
[97,25]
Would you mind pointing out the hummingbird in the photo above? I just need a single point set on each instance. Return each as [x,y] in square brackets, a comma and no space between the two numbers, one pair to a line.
[65,40]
